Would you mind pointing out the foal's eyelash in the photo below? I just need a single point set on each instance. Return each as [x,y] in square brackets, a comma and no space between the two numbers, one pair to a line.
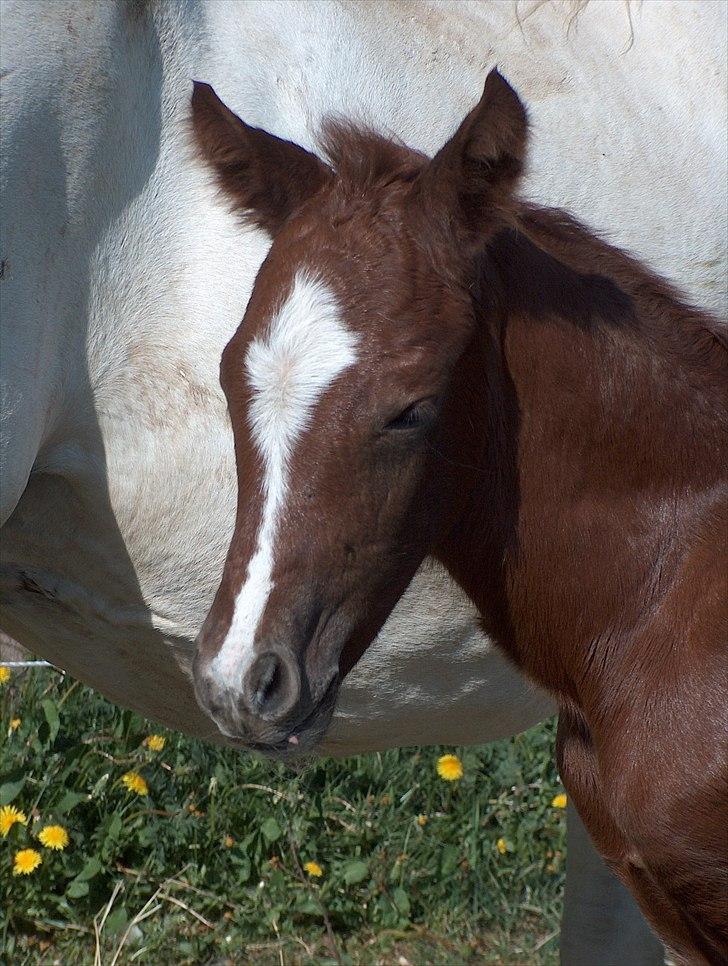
[414,415]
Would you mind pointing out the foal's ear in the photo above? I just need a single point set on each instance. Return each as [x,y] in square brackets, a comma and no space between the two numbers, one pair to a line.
[262,174]
[472,178]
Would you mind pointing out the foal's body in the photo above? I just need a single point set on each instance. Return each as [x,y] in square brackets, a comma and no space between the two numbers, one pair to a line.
[610,398]
[427,365]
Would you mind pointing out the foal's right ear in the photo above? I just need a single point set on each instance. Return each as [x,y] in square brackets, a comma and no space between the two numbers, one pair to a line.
[471,180]
[263,175]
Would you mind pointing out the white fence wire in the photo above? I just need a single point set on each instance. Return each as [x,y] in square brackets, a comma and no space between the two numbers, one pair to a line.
[28,664]
[13,656]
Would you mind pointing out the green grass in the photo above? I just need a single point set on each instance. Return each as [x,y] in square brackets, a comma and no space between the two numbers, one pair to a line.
[209,866]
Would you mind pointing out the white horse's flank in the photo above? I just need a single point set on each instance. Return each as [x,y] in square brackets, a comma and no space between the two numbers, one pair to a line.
[124,275]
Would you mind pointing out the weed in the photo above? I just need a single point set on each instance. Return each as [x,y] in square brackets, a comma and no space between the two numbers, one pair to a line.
[179,852]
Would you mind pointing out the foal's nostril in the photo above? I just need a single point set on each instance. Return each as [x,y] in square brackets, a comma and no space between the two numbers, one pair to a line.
[267,682]
[272,686]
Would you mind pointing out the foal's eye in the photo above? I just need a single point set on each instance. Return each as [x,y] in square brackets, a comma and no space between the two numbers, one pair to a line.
[418,415]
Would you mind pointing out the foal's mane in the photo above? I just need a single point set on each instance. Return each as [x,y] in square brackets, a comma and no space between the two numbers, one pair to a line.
[364,159]
[659,308]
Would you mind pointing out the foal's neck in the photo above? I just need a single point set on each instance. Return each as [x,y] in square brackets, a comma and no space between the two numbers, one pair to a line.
[602,437]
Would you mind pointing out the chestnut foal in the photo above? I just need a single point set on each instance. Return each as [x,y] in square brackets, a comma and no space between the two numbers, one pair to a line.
[429,366]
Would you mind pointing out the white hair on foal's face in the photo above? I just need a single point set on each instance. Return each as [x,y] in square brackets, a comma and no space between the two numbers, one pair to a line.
[288,368]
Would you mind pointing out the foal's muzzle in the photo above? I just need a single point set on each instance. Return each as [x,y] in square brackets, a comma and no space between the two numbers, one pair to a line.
[270,705]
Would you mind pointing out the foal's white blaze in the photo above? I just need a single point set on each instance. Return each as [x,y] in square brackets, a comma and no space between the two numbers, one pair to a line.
[289,368]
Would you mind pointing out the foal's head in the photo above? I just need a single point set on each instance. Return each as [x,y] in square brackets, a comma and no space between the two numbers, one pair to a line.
[339,388]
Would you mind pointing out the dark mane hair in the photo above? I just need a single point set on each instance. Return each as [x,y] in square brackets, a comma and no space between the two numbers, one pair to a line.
[688,330]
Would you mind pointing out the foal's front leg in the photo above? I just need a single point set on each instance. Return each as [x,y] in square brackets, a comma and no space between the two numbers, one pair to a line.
[601,924]
[647,870]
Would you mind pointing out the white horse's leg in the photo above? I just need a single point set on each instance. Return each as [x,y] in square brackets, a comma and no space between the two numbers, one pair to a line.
[601,924]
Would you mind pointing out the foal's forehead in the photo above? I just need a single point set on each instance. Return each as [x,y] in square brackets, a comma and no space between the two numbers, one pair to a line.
[397,319]
[306,317]
[304,343]
[303,296]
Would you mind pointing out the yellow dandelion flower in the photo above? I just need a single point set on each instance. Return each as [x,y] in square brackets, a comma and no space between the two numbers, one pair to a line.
[135,783]
[559,801]
[502,846]
[155,742]
[26,861]
[314,869]
[449,768]
[422,820]
[53,837]
[4,675]
[228,841]
[9,815]
[15,723]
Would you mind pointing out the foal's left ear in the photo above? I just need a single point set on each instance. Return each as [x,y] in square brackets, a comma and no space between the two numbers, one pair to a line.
[265,176]
[471,180]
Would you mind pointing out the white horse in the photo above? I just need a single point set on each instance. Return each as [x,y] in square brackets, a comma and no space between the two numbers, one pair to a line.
[124,274]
